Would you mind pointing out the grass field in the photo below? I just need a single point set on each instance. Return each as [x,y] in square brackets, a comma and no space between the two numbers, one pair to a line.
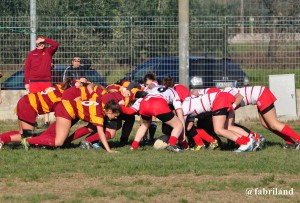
[148,175]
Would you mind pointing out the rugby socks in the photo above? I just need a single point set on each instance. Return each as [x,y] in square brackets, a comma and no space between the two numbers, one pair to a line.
[290,132]
[48,140]
[51,130]
[80,132]
[254,136]
[205,136]
[135,144]
[242,140]
[152,130]
[172,140]
[286,138]
[92,138]
[95,137]
[6,137]
[184,144]
[108,135]
[198,141]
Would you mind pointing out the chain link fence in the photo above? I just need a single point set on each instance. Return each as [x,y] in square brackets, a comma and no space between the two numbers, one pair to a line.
[115,45]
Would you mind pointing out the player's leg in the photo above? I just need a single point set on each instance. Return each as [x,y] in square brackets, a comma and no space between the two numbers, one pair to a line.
[145,123]
[63,126]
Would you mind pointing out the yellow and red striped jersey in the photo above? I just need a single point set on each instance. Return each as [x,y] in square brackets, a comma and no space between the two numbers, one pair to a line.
[74,92]
[88,110]
[45,101]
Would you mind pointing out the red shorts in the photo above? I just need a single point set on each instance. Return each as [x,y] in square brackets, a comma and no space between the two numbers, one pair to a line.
[265,100]
[154,106]
[182,91]
[25,111]
[60,111]
[223,100]
[38,86]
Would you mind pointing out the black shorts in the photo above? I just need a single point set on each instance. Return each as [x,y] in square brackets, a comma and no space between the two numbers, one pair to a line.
[163,117]
[266,110]
[220,112]
[29,123]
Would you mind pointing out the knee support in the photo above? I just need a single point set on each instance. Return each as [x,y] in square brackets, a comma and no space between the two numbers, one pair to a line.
[28,133]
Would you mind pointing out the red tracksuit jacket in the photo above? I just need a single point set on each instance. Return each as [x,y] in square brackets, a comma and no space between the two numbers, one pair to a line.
[38,62]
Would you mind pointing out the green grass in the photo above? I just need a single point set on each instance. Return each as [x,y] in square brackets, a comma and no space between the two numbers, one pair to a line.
[260,76]
[147,175]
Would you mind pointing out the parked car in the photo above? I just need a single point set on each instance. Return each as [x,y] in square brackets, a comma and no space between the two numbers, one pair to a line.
[16,80]
[204,71]
[91,74]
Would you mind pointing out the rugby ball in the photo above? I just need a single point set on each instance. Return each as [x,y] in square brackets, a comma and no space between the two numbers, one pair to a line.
[161,142]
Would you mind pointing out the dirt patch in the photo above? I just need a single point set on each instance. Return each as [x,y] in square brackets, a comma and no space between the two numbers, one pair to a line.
[144,188]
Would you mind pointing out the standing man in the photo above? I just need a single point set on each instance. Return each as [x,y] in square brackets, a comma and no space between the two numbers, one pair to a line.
[37,71]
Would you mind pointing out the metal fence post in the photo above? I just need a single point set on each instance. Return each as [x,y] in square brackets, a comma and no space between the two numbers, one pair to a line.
[183,8]
[32,24]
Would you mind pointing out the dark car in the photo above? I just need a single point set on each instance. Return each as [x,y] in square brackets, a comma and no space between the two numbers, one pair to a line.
[204,71]
[16,80]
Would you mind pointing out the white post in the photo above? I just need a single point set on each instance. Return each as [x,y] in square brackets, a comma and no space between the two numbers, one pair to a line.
[33,24]
[183,7]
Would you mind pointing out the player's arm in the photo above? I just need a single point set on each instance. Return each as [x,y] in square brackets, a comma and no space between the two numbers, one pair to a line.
[128,110]
[238,100]
[103,139]
[54,45]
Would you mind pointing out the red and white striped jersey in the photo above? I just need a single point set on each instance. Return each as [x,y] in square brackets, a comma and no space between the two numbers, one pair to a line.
[208,91]
[167,93]
[250,94]
[193,106]
[231,90]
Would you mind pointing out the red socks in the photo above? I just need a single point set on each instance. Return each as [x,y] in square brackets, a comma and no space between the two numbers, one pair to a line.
[172,140]
[95,137]
[51,130]
[204,135]
[291,133]
[48,140]
[80,132]
[198,141]
[6,137]
[135,144]
[242,140]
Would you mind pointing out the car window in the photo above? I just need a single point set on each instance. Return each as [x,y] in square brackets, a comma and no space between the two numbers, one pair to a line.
[139,74]
[93,76]
[168,68]
[15,81]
